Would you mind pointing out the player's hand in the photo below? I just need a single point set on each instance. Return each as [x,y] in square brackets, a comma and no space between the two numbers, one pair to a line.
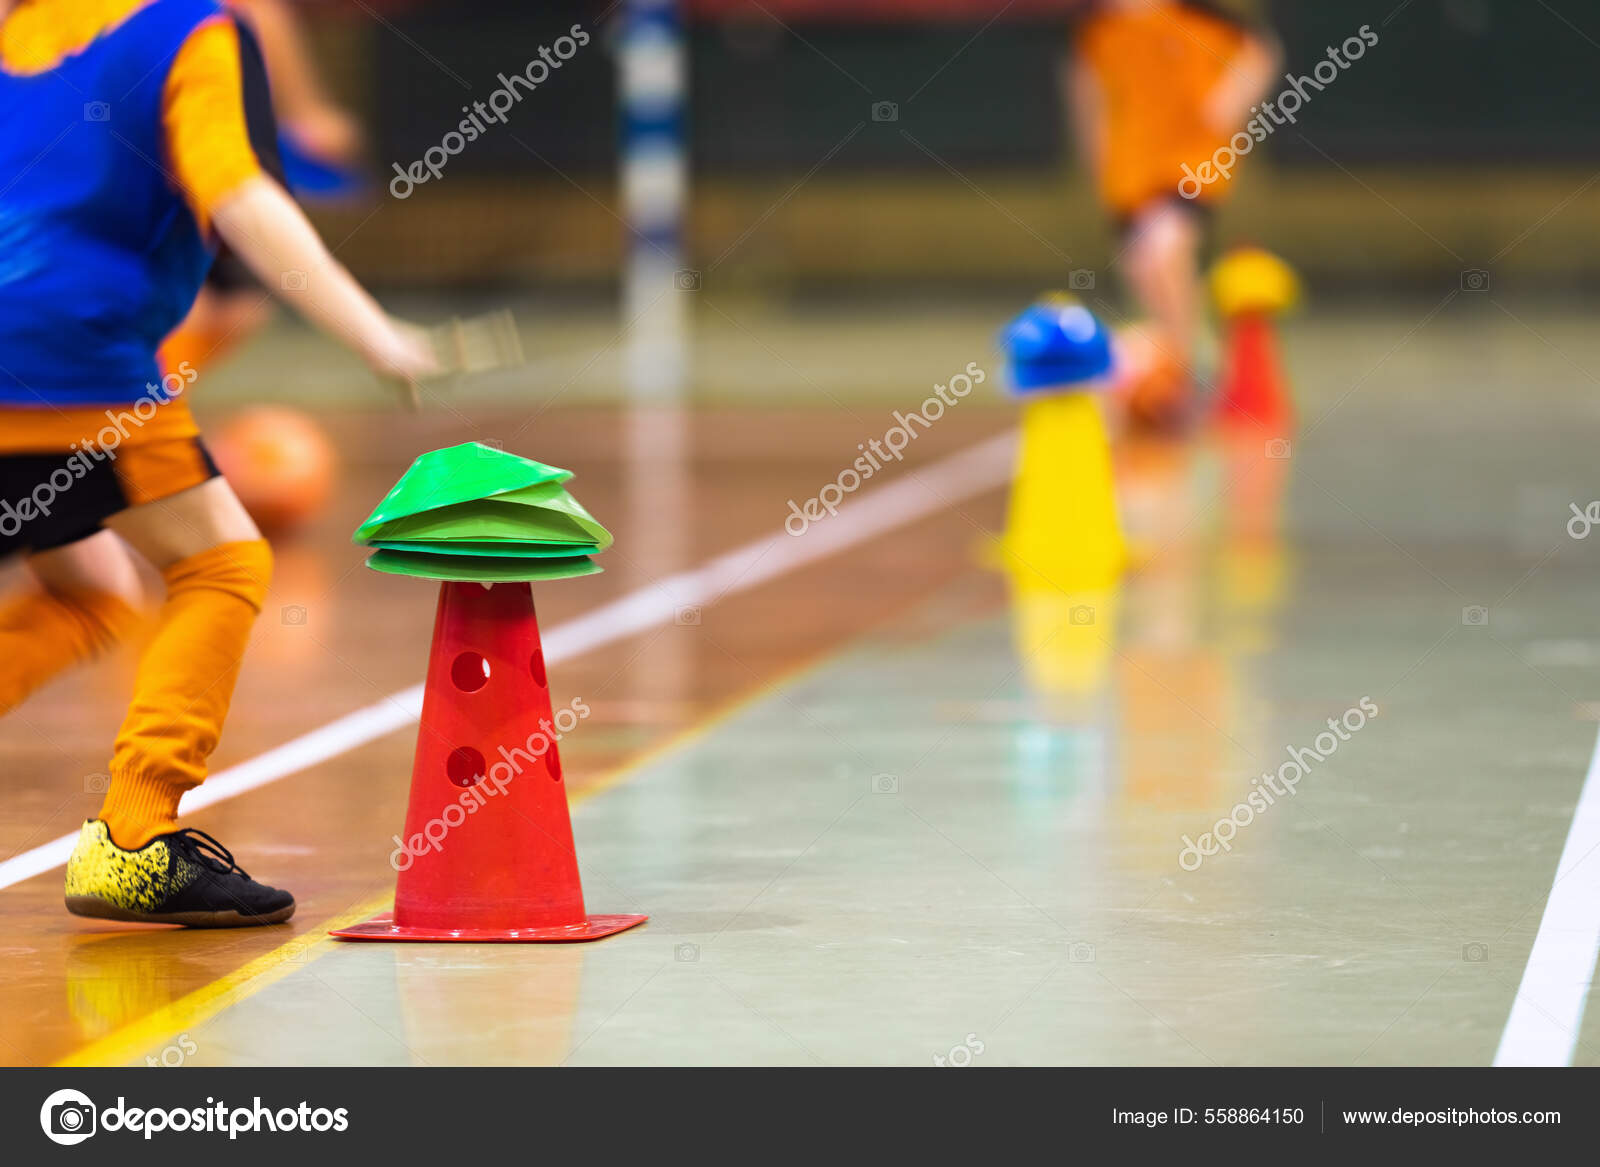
[403,356]
[1224,112]
[327,134]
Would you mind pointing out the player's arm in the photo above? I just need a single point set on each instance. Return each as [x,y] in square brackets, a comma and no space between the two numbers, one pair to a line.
[1085,103]
[216,117]
[271,234]
[1250,73]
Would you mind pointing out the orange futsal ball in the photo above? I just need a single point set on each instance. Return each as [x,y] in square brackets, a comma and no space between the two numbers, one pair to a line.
[280,464]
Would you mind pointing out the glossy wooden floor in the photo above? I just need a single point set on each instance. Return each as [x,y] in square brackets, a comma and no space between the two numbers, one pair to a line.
[920,809]
[335,637]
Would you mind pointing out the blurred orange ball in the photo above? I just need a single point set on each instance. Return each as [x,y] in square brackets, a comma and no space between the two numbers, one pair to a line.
[279,462]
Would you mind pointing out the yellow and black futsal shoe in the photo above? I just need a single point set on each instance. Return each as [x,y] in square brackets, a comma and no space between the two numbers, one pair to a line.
[183,877]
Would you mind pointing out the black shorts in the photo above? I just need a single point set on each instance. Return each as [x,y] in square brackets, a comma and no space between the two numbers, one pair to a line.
[50,500]
[1205,217]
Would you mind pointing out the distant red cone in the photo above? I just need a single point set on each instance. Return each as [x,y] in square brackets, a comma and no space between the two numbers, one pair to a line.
[487,853]
[1251,287]
[1254,389]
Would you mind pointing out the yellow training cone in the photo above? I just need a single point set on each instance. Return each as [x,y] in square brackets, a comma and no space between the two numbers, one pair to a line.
[1062,530]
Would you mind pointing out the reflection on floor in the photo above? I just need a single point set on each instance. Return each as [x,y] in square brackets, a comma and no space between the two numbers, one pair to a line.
[949,809]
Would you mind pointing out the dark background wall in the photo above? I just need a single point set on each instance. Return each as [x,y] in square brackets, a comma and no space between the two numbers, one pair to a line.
[1471,121]
[1455,81]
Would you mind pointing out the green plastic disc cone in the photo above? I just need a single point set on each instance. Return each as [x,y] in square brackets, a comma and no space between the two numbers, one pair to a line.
[455,475]
[492,519]
[553,497]
[479,569]
[493,548]
[474,513]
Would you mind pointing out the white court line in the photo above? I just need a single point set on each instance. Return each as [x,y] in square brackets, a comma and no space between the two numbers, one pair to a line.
[919,494]
[1548,1014]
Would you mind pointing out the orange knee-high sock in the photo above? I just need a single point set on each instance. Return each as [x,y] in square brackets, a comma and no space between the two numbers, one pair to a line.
[185,683]
[45,632]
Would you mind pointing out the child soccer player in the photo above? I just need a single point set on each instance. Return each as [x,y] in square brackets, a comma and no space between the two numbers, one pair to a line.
[135,135]
[1155,87]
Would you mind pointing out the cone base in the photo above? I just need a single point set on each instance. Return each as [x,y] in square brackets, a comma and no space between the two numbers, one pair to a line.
[383,927]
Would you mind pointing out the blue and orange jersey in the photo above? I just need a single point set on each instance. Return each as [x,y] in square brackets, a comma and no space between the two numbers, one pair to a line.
[123,125]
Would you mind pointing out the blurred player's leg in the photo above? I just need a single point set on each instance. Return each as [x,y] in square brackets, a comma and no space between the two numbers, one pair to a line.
[83,599]
[222,318]
[1162,267]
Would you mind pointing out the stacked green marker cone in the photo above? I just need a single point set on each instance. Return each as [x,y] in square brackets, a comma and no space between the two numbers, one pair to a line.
[476,513]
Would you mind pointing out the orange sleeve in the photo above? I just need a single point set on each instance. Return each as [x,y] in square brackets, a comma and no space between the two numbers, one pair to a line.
[202,111]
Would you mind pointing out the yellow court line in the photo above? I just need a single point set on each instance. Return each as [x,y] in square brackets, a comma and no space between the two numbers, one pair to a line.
[155,1030]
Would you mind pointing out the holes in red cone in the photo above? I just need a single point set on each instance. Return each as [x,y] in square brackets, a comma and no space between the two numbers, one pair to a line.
[470,672]
[536,667]
[464,766]
[555,765]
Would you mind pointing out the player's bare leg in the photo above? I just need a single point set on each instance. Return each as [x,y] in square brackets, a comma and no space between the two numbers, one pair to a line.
[1161,266]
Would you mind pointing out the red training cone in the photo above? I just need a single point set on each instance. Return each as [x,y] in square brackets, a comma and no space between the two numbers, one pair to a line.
[487,853]
[1254,389]
[1250,287]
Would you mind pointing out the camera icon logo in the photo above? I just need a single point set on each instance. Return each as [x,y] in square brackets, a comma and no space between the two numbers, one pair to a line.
[1081,953]
[1082,614]
[96,783]
[68,1117]
[293,615]
[687,616]
[1081,280]
[885,111]
[1475,953]
[686,953]
[686,279]
[491,447]
[293,281]
[1475,280]
[885,784]
[1475,616]
[1278,448]
[96,111]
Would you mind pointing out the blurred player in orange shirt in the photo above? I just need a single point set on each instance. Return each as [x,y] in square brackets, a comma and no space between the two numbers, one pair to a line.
[1155,88]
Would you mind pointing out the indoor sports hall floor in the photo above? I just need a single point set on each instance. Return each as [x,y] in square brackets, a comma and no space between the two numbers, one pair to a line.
[878,811]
